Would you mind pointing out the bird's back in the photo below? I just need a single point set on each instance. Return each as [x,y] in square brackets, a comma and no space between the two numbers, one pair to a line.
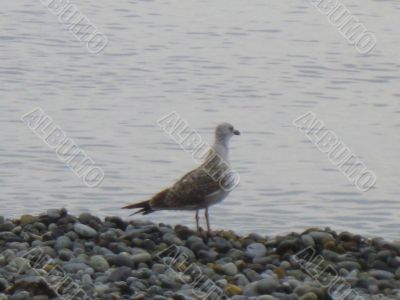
[195,190]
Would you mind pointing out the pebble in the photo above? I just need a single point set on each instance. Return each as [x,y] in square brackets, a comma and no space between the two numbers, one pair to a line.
[321,237]
[6,226]
[3,284]
[267,285]
[10,237]
[309,296]
[349,265]
[230,269]
[41,297]
[221,244]
[99,263]
[118,259]
[141,257]
[308,240]
[266,297]
[251,289]
[171,238]
[381,274]
[63,242]
[121,273]
[72,267]
[241,280]
[233,290]
[252,275]
[22,295]
[256,250]
[84,230]
[27,219]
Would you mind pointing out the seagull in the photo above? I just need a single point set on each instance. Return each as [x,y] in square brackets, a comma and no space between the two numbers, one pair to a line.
[202,187]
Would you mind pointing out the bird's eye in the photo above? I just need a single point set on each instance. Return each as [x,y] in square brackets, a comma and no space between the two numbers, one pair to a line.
[231,128]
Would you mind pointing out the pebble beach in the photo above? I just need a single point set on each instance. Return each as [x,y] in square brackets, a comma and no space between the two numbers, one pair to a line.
[60,256]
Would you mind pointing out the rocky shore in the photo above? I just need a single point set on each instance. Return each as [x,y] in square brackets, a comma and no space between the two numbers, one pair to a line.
[60,256]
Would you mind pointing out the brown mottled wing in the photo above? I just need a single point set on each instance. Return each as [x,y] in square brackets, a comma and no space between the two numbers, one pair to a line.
[189,192]
[192,189]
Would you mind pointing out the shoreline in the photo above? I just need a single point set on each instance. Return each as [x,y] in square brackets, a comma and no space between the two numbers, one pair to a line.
[60,256]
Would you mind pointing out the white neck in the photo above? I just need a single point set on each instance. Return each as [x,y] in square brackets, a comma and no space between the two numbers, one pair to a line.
[221,148]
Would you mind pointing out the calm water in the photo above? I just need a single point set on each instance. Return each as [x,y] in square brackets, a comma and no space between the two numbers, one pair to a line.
[257,64]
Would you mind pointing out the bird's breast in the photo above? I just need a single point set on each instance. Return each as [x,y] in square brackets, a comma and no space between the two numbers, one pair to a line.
[216,197]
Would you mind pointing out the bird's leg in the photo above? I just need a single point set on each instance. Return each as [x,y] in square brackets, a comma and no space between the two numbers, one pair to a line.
[207,221]
[197,221]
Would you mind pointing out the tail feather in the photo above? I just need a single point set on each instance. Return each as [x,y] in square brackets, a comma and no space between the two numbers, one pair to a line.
[144,206]
[149,206]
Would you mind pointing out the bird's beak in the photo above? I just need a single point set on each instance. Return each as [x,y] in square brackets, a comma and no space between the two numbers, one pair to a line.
[236,132]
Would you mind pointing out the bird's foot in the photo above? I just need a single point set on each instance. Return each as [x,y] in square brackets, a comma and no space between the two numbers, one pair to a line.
[203,234]
[199,231]
[211,234]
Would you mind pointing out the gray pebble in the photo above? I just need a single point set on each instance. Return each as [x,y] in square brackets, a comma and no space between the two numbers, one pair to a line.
[54,213]
[171,238]
[267,285]
[72,267]
[381,274]
[256,250]
[141,257]
[22,295]
[229,269]
[84,230]
[63,242]
[120,274]
[99,263]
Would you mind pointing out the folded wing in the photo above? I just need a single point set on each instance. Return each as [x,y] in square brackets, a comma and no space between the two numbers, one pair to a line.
[190,192]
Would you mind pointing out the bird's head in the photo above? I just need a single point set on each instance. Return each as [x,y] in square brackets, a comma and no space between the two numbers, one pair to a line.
[225,131]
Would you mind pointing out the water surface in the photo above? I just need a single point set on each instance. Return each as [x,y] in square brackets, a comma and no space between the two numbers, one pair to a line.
[257,64]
